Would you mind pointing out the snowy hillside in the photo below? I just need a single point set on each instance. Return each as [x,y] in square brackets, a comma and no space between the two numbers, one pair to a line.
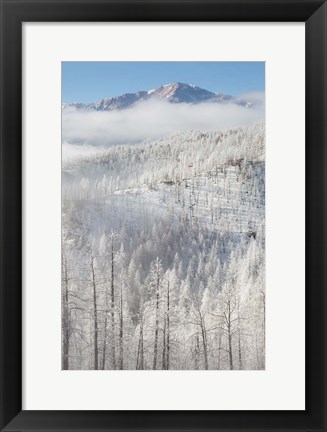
[163,258]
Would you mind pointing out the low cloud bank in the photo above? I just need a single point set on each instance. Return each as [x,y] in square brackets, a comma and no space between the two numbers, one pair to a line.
[85,133]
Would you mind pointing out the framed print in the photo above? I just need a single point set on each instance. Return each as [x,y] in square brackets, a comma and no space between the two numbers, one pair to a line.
[163,215]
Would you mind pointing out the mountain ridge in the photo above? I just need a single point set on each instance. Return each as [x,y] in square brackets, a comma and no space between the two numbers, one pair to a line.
[174,93]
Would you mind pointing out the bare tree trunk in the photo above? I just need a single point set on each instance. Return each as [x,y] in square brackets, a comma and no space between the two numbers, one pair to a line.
[204,340]
[155,350]
[140,353]
[104,342]
[239,349]
[163,366]
[104,349]
[230,352]
[95,316]
[205,347]
[121,333]
[113,342]
[197,352]
[219,351]
[229,330]
[65,318]
[240,365]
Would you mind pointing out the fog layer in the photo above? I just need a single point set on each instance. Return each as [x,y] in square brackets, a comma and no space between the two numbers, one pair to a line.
[84,133]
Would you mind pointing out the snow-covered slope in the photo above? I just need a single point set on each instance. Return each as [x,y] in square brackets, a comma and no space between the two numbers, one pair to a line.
[173,233]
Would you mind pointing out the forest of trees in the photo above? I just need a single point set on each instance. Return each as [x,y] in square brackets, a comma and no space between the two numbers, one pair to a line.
[163,254]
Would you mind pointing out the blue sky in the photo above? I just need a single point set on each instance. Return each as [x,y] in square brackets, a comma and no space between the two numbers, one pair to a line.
[91,81]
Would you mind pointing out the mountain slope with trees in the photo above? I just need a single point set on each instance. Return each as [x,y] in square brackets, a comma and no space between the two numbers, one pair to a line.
[163,254]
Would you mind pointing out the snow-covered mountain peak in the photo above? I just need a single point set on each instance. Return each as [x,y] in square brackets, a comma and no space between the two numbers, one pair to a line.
[176,92]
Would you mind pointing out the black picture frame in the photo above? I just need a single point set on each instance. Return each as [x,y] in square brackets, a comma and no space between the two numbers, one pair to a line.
[13,14]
